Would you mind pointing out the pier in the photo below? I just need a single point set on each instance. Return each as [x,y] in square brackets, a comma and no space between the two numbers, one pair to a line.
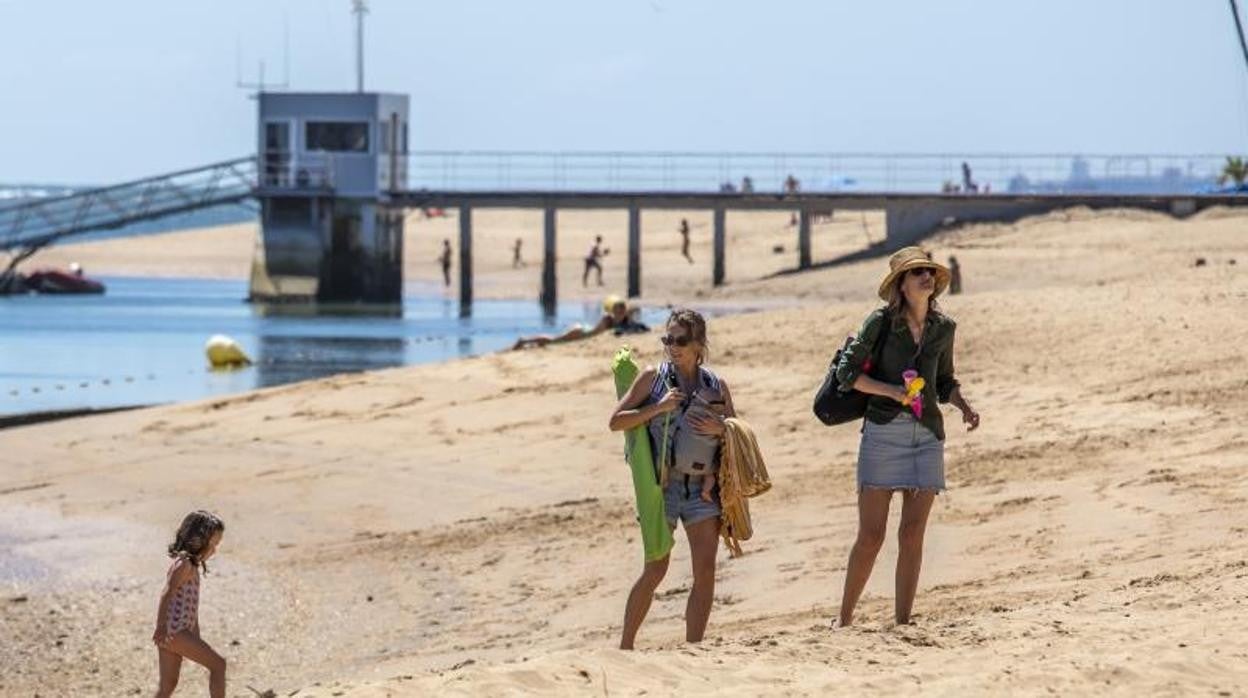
[332,220]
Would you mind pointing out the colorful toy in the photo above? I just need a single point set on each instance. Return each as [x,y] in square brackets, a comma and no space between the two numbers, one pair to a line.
[914,388]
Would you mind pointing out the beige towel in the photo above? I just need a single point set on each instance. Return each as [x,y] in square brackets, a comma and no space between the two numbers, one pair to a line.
[742,474]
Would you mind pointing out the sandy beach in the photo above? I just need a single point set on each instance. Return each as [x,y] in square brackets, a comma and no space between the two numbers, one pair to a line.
[225,252]
[467,528]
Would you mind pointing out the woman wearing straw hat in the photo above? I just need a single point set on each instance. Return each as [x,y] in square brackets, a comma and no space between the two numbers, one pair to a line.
[615,315]
[902,446]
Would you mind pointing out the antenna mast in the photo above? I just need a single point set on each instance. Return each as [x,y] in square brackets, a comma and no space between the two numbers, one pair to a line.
[260,85]
[359,8]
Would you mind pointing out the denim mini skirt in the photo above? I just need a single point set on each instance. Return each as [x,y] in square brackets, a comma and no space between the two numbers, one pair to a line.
[900,455]
[682,500]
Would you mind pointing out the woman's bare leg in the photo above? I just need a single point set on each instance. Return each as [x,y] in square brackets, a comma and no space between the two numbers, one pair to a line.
[198,651]
[170,669]
[872,524]
[915,506]
[639,599]
[703,547]
[574,332]
[540,340]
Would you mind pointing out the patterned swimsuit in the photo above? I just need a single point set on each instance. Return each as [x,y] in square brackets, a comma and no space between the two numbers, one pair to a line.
[184,606]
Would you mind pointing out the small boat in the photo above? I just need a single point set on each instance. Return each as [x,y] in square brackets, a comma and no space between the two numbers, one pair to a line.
[59,281]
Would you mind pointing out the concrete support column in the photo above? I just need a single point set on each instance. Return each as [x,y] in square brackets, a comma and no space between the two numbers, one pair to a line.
[549,280]
[717,270]
[634,250]
[465,261]
[803,240]
[908,222]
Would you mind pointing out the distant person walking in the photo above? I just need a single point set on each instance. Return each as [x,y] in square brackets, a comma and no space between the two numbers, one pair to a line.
[445,260]
[684,239]
[747,185]
[593,260]
[968,184]
[516,260]
[791,185]
[955,276]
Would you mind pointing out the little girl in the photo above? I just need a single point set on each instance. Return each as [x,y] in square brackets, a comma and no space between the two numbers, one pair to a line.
[177,619]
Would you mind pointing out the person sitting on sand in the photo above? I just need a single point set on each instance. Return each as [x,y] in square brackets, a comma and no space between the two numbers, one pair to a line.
[616,316]
[177,616]
[683,404]
[902,449]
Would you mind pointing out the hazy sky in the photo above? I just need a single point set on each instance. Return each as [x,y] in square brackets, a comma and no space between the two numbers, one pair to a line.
[94,91]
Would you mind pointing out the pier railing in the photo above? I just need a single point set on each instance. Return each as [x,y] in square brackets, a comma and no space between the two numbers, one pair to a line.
[450,170]
[36,222]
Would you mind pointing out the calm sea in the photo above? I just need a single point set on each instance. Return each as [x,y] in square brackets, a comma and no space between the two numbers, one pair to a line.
[143,341]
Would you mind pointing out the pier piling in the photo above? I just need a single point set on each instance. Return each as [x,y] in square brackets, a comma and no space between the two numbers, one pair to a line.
[465,261]
[634,250]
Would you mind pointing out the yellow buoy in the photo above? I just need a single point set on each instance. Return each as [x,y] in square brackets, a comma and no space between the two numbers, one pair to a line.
[224,352]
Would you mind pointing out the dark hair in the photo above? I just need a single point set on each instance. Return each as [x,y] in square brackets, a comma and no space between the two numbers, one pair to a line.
[694,324]
[196,531]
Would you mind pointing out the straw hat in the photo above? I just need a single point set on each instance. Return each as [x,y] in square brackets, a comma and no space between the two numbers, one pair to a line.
[609,303]
[908,258]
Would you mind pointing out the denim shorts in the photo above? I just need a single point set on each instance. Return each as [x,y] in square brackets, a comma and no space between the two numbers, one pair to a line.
[900,455]
[682,500]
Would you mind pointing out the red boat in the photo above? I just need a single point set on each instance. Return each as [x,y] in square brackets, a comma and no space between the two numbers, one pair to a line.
[58,281]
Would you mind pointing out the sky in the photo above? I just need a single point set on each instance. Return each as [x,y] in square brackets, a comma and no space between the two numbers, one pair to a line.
[94,92]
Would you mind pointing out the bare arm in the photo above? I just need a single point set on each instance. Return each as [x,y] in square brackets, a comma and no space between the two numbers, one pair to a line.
[969,416]
[956,399]
[603,323]
[867,384]
[629,414]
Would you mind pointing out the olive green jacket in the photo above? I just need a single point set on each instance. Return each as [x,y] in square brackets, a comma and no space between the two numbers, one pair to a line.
[933,360]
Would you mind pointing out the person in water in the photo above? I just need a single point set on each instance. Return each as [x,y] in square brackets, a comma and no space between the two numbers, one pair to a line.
[616,315]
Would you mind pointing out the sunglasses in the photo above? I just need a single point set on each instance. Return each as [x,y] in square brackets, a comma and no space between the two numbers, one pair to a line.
[921,271]
[668,340]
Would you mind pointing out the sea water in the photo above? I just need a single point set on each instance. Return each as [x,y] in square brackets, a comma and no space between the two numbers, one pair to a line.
[142,342]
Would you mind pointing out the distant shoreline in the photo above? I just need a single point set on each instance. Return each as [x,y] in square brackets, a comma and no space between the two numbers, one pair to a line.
[26,419]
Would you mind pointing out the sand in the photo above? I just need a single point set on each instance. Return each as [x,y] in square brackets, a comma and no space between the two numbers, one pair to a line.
[466,528]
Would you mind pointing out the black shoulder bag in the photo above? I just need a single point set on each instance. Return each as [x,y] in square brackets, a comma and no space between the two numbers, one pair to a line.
[835,407]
